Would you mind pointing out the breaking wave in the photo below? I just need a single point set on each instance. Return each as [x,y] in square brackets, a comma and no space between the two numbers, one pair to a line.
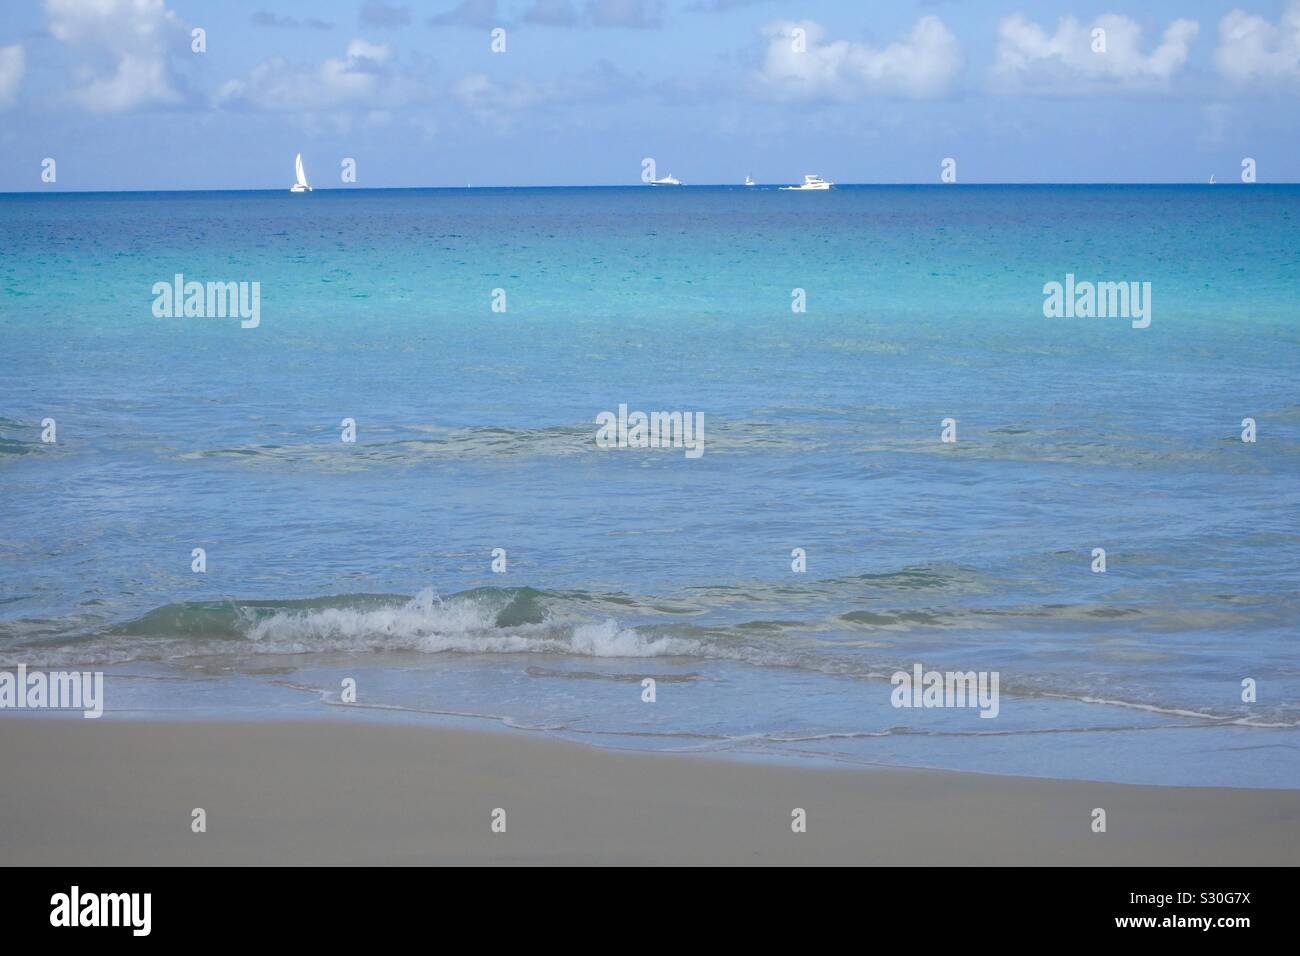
[480,621]
[861,644]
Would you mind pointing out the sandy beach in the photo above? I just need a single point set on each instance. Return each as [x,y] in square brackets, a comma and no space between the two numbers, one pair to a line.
[338,792]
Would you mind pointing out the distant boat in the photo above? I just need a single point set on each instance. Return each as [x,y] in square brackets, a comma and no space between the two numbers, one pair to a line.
[1211,179]
[668,180]
[811,181]
[749,180]
[301,185]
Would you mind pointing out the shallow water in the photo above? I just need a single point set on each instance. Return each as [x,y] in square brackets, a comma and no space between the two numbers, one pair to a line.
[475,431]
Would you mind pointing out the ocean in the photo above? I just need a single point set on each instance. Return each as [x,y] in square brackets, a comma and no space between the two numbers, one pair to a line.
[826,538]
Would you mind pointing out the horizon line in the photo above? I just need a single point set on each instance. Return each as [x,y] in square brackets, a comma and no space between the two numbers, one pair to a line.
[726,185]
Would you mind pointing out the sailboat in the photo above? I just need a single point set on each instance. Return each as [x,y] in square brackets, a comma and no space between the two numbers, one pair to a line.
[301,185]
[749,180]
[1211,179]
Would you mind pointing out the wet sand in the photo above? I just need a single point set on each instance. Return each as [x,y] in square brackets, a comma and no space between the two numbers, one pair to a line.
[80,792]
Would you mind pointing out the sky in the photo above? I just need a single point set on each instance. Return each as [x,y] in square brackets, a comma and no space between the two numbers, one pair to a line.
[584,91]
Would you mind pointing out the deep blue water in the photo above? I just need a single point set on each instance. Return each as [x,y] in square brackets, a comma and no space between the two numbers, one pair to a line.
[476,430]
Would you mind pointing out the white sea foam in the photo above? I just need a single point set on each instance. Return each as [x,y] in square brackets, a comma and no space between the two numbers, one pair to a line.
[430,625]
[494,621]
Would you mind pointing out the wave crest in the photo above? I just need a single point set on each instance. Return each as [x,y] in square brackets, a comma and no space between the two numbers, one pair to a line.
[484,620]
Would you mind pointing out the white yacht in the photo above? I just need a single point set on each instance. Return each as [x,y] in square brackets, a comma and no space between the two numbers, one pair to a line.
[749,180]
[668,180]
[811,181]
[301,185]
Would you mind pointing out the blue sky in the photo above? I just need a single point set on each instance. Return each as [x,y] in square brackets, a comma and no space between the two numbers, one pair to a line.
[711,89]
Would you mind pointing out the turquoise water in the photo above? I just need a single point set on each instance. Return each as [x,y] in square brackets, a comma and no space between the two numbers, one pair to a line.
[476,430]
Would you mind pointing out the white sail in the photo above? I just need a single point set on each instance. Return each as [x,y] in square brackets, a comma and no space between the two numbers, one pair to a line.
[302,177]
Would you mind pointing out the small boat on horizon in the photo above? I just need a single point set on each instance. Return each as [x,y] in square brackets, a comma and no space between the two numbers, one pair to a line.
[1211,179]
[301,185]
[811,181]
[749,180]
[668,180]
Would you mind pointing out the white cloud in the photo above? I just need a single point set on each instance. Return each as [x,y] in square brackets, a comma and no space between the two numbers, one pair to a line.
[376,13]
[552,13]
[487,98]
[13,63]
[481,14]
[362,79]
[922,64]
[1251,48]
[498,104]
[129,43]
[625,14]
[1029,60]
[635,14]
[359,49]
[265,18]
